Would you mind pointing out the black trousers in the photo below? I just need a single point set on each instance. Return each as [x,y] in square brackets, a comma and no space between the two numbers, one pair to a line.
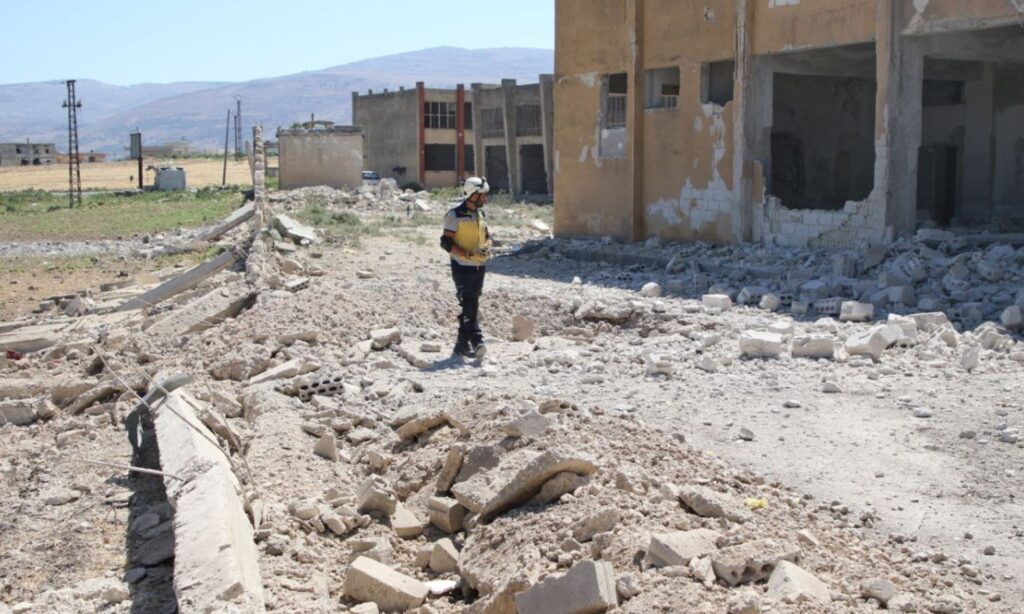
[469,284]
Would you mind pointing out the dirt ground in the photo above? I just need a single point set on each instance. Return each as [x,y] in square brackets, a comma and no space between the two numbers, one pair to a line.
[200,172]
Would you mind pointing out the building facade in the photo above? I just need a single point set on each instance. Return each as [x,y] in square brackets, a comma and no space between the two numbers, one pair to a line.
[831,123]
[86,158]
[320,153]
[27,154]
[438,137]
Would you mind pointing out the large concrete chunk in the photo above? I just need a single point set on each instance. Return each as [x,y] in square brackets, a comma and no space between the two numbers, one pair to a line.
[853,311]
[751,561]
[303,235]
[19,412]
[759,344]
[814,347]
[205,312]
[867,343]
[368,580]
[679,547]
[708,503]
[791,584]
[588,588]
[216,565]
[517,477]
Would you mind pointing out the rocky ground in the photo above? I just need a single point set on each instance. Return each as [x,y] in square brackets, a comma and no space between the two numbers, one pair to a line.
[635,438]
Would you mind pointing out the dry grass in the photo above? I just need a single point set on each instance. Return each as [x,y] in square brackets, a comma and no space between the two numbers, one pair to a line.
[115,175]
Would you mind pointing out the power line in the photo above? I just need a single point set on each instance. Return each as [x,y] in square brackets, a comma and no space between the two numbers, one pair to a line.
[72,104]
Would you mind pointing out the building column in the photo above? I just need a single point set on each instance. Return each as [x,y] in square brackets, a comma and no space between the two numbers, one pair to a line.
[746,125]
[635,116]
[460,133]
[547,118]
[479,161]
[508,87]
[900,75]
[421,97]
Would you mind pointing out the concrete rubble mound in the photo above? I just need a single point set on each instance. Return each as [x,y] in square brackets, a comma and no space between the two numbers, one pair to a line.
[314,459]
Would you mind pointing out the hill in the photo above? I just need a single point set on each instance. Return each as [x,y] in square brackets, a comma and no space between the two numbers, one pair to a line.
[196,111]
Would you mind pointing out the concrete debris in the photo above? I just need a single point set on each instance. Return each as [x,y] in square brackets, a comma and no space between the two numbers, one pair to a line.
[599,522]
[383,338]
[300,234]
[717,301]
[327,447]
[523,328]
[446,514]
[751,561]
[369,580]
[710,504]
[520,475]
[878,589]
[758,344]
[588,588]
[814,347]
[680,547]
[530,425]
[444,558]
[405,524]
[376,495]
[791,584]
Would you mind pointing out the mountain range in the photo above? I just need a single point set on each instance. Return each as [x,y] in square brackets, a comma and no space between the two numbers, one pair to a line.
[196,111]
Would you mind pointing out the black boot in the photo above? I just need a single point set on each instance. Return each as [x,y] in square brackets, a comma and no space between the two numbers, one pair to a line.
[462,346]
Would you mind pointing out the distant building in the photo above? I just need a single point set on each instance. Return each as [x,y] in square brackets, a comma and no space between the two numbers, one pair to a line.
[27,154]
[320,153]
[85,158]
[174,149]
[438,137]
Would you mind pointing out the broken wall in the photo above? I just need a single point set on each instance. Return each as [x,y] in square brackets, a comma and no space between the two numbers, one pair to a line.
[593,194]
[390,123]
[332,158]
[923,16]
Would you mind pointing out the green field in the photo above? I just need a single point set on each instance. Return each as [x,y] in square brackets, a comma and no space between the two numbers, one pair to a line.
[33,215]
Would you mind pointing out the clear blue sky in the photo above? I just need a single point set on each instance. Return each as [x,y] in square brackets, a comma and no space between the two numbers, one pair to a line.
[124,42]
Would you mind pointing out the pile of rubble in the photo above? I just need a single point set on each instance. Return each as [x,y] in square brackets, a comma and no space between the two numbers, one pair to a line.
[311,449]
[972,278]
[384,197]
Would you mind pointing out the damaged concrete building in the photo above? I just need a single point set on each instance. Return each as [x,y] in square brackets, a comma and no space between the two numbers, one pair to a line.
[437,137]
[27,154]
[319,153]
[832,123]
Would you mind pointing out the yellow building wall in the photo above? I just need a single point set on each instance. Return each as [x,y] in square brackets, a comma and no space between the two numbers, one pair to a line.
[805,24]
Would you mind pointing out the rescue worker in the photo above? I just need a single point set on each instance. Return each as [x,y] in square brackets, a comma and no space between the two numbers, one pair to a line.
[468,242]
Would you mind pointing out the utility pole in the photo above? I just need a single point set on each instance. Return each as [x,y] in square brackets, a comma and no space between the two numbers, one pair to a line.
[136,152]
[72,104]
[227,134]
[238,129]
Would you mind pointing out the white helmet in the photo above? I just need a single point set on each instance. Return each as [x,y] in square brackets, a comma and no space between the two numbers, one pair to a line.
[475,185]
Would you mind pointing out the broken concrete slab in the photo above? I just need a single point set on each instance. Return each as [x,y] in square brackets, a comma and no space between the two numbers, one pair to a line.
[423,422]
[853,311]
[599,522]
[383,338]
[588,588]
[518,476]
[680,547]
[376,495]
[19,412]
[814,347]
[444,558]
[299,233]
[203,313]
[867,343]
[708,503]
[368,580]
[327,447]
[292,368]
[181,283]
[791,584]
[405,524]
[216,564]
[759,344]
[751,561]
[530,425]
[716,301]
[30,339]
